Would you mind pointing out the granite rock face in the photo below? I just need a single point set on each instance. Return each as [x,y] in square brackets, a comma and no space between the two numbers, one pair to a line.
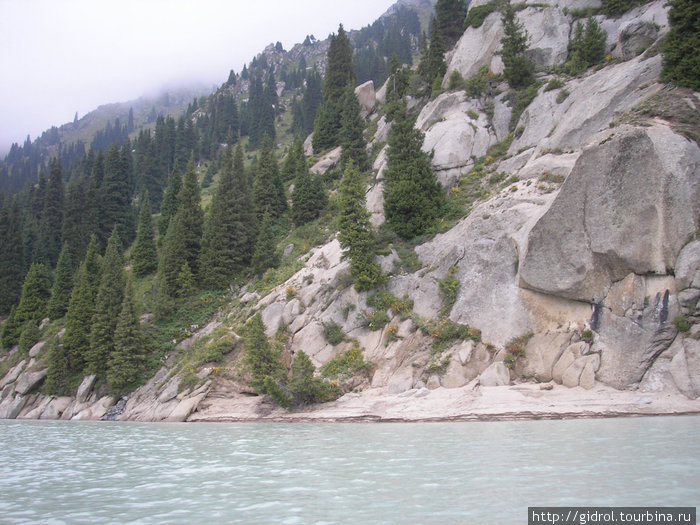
[629,205]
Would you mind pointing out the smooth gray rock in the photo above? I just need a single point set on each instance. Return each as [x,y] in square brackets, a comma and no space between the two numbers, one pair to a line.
[13,374]
[497,374]
[685,369]
[541,353]
[36,349]
[29,380]
[366,96]
[12,406]
[85,388]
[629,205]
[688,266]
[634,38]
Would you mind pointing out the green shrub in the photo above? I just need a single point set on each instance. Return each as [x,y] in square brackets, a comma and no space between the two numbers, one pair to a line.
[477,84]
[515,348]
[444,331]
[476,15]
[681,323]
[561,97]
[333,332]
[346,365]
[555,83]
[448,291]
[456,81]
[520,100]
[384,300]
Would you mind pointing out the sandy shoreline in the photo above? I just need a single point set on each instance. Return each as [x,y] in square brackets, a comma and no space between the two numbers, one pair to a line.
[470,403]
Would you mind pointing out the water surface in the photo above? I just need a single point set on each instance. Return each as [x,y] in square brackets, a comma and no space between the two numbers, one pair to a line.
[418,473]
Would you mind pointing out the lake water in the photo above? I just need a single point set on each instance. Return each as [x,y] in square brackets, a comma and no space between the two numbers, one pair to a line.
[360,473]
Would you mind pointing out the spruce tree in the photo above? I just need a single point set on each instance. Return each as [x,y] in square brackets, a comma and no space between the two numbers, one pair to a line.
[268,191]
[58,371]
[115,197]
[352,139]
[81,307]
[144,259]
[309,197]
[262,359]
[36,292]
[265,255]
[79,217]
[169,205]
[230,228]
[184,236]
[412,195]
[339,74]
[449,16]
[432,65]
[519,70]
[62,284]
[51,222]
[107,307]
[126,360]
[681,60]
[355,232]
[11,256]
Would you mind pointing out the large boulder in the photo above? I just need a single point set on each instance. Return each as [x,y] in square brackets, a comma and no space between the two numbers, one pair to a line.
[366,96]
[629,205]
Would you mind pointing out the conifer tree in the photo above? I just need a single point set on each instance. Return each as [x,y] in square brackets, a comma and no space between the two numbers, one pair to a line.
[126,360]
[62,284]
[108,303]
[265,255]
[169,205]
[81,307]
[58,372]
[432,65]
[309,197]
[79,217]
[352,139]
[11,256]
[587,47]
[230,228]
[519,70]
[184,236]
[681,60]
[49,243]
[450,17]
[412,195]
[261,358]
[355,232]
[115,197]
[144,259]
[268,191]
[29,337]
[339,74]
[36,292]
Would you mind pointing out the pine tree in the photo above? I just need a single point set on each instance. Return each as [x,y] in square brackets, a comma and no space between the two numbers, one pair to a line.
[115,197]
[11,256]
[268,192]
[81,307]
[265,255]
[58,372]
[126,360]
[339,74]
[519,71]
[144,259]
[681,60]
[79,217]
[230,228]
[309,196]
[352,139]
[432,65]
[107,307]
[412,195]
[262,359]
[36,292]
[450,17]
[29,337]
[355,232]
[62,284]
[49,244]
[169,204]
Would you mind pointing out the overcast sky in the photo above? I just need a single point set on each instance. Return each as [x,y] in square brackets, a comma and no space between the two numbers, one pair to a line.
[62,56]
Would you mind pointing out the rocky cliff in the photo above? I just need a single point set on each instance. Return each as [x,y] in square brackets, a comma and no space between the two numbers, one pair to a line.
[575,276]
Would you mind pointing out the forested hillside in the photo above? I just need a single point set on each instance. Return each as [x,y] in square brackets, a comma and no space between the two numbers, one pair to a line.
[306,213]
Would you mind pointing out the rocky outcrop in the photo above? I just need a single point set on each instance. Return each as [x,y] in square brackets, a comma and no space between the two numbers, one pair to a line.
[629,206]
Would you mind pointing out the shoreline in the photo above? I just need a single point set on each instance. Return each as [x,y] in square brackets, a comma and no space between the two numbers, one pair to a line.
[471,403]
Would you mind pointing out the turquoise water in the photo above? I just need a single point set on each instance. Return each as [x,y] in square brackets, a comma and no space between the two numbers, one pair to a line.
[422,473]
